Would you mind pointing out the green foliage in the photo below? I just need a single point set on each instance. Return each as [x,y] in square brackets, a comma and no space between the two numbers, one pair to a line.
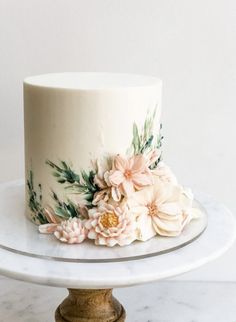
[145,140]
[35,200]
[64,173]
[82,183]
[63,209]
[136,139]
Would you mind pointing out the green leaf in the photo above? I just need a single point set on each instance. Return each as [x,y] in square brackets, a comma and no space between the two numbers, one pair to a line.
[35,199]
[136,139]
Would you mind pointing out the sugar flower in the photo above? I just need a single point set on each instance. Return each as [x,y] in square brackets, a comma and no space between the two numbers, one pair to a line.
[102,167]
[71,231]
[160,209]
[129,175]
[110,226]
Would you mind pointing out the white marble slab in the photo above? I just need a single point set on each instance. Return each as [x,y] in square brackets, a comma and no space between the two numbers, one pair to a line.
[167,301]
[218,237]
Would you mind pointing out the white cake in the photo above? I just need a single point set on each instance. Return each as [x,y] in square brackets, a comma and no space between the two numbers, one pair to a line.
[93,159]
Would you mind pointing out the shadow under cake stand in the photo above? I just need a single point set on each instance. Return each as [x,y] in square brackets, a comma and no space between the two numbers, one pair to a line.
[91,272]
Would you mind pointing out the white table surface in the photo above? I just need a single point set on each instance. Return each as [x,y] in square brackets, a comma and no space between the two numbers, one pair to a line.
[218,237]
[165,301]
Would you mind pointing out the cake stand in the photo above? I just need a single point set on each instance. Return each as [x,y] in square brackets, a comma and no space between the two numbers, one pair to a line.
[90,283]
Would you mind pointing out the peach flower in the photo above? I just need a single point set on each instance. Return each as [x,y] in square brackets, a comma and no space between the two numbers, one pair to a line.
[71,231]
[110,225]
[129,175]
[160,209]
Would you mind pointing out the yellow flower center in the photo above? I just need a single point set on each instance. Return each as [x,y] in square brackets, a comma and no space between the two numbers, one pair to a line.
[153,210]
[109,220]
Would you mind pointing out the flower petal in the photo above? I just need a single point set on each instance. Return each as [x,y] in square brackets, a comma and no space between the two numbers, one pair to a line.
[171,208]
[139,163]
[47,228]
[145,228]
[141,180]
[120,163]
[92,234]
[115,193]
[116,178]
[166,227]
[128,187]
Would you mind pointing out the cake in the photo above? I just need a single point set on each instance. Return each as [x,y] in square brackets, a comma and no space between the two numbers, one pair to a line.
[93,160]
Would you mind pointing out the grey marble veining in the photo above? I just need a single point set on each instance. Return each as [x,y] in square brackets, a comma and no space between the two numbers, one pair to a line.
[167,301]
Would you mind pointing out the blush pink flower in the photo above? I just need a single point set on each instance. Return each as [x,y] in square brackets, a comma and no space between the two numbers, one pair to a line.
[130,174]
[110,225]
[71,231]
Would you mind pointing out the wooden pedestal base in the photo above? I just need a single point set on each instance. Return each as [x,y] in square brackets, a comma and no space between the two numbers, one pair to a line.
[90,306]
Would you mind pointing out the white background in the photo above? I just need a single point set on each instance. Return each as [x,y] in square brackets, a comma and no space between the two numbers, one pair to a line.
[189,44]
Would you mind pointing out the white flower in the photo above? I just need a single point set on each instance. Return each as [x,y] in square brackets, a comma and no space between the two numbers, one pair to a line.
[71,231]
[102,168]
[161,209]
[109,225]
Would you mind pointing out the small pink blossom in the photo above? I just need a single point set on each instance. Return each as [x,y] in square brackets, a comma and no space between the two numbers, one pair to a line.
[71,231]
[102,169]
[110,225]
[129,175]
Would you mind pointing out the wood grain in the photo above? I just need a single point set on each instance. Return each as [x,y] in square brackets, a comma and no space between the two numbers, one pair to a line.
[90,306]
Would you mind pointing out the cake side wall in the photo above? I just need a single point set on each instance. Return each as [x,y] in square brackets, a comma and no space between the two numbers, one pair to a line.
[77,127]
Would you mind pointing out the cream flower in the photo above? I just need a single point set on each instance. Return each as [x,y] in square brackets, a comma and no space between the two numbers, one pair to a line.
[129,175]
[164,173]
[71,231]
[160,209]
[110,225]
[102,166]
[102,169]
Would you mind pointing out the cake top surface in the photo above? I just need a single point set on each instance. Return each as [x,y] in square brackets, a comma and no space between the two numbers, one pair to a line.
[90,81]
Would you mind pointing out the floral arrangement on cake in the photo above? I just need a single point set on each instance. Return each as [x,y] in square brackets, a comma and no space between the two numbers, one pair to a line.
[122,198]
